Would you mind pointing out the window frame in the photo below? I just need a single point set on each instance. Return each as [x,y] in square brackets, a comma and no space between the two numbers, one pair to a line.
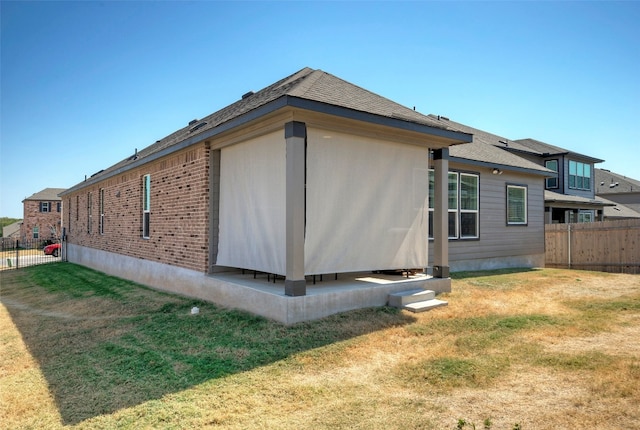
[89,211]
[525,202]
[555,179]
[582,174]
[101,211]
[146,206]
[35,233]
[45,207]
[456,213]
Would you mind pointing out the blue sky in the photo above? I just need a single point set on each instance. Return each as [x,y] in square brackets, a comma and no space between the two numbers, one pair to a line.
[85,83]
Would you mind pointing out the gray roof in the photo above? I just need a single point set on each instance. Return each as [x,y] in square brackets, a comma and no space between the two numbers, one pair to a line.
[616,210]
[11,229]
[487,149]
[553,197]
[308,89]
[608,182]
[542,149]
[48,194]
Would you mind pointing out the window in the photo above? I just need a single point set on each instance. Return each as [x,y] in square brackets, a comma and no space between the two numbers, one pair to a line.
[585,216]
[463,205]
[101,209]
[469,198]
[44,206]
[36,232]
[89,214]
[146,205]
[579,175]
[77,208]
[516,205]
[552,165]
[59,206]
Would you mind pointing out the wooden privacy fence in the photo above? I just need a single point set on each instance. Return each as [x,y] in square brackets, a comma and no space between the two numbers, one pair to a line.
[608,246]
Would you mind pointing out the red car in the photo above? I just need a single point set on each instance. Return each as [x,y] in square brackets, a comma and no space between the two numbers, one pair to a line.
[53,249]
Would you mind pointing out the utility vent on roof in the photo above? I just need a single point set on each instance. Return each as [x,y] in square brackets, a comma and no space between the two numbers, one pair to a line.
[245,95]
[444,118]
[504,142]
[197,126]
[193,121]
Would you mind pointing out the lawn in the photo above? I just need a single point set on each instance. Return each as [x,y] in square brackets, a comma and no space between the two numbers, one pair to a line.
[529,349]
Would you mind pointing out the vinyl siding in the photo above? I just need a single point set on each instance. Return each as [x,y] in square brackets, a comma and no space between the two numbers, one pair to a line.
[497,239]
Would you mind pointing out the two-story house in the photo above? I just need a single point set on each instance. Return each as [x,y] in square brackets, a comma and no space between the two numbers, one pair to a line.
[569,195]
[41,219]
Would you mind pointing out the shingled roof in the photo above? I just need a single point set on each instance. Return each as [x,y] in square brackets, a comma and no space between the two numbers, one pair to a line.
[309,89]
[542,149]
[48,194]
[608,182]
[488,149]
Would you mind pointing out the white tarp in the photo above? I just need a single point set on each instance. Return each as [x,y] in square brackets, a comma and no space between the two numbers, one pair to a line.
[252,205]
[366,204]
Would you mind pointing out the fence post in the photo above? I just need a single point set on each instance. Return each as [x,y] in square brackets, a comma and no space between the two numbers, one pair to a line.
[17,253]
[569,247]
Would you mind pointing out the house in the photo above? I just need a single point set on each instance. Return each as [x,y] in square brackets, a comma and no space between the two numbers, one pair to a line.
[496,204]
[12,231]
[570,192]
[310,177]
[41,217]
[621,192]
[569,197]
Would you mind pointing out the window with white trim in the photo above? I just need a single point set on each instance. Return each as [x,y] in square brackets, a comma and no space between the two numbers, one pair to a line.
[101,210]
[146,206]
[552,165]
[585,216]
[516,205]
[36,232]
[44,206]
[89,214]
[463,204]
[579,175]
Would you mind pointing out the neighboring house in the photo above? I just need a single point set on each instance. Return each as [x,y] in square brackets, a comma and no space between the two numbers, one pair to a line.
[570,196]
[12,231]
[619,190]
[496,204]
[311,175]
[41,220]
[569,192]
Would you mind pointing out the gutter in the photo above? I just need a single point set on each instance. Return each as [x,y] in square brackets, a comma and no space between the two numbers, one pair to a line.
[266,109]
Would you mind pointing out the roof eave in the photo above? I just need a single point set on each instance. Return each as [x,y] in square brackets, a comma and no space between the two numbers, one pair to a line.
[268,108]
[503,166]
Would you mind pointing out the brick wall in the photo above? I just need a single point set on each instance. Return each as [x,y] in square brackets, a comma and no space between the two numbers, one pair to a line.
[179,211]
[48,223]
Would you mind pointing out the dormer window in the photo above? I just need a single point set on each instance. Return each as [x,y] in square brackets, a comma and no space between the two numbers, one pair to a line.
[579,175]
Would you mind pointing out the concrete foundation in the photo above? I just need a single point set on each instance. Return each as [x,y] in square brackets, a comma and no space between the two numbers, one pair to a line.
[259,295]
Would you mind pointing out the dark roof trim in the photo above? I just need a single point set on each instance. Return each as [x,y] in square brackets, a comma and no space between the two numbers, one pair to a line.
[503,166]
[271,107]
[403,124]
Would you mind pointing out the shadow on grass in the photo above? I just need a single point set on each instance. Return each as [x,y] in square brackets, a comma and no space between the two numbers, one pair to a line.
[104,343]
[480,273]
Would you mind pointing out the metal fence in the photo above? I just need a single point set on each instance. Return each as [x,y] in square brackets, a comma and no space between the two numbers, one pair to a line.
[16,253]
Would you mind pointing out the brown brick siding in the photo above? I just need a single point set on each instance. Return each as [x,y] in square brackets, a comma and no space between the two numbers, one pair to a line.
[48,223]
[179,230]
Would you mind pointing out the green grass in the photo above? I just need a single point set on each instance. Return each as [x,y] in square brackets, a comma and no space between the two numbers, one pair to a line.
[114,354]
[146,344]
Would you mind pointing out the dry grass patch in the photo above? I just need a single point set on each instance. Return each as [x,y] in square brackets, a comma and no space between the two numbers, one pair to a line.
[546,349]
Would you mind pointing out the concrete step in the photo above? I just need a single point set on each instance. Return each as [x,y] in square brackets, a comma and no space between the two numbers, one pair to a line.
[403,298]
[425,305]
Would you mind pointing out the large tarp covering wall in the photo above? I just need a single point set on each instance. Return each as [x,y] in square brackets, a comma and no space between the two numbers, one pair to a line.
[366,204]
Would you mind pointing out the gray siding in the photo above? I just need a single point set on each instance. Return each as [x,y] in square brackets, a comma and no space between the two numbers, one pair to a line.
[501,245]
